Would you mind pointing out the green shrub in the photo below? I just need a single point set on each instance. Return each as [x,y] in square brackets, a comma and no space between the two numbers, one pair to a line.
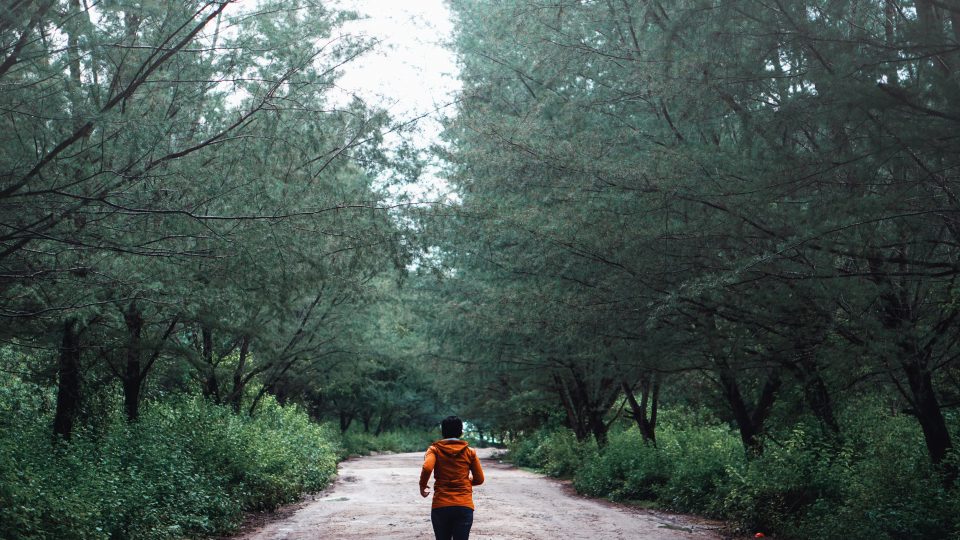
[875,482]
[701,460]
[557,453]
[563,455]
[774,491]
[626,470]
[523,450]
[355,442]
[186,468]
[684,472]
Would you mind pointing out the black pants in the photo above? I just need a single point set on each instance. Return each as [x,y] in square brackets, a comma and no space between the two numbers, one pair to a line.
[452,522]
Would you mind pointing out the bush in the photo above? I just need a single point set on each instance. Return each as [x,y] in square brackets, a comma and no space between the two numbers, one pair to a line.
[626,470]
[186,468]
[557,453]
[523,452]
[701,460]
[400,440]
[684,472]
[875,483]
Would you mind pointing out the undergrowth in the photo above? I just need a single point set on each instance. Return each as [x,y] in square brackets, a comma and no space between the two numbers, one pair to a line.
[356,442]
[187,468]
[874,482]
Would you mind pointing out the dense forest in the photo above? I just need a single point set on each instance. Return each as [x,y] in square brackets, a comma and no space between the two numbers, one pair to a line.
[702,255]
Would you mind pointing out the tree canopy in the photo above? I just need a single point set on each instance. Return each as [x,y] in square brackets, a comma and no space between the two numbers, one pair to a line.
[750,198]
[740,209]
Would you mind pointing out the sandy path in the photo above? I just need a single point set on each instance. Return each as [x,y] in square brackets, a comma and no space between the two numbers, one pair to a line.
[377,497]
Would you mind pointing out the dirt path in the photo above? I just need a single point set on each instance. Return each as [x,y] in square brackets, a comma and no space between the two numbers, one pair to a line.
[377,497]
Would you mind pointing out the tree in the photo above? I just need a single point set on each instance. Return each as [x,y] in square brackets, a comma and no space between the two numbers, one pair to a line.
[758,184]
[174,172]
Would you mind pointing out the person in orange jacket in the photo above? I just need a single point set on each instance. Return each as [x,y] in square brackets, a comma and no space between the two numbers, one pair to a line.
[456,469]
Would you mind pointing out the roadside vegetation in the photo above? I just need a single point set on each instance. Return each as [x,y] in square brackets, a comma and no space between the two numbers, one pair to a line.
[356,442]
[875,484]
[701,254]
[186,468]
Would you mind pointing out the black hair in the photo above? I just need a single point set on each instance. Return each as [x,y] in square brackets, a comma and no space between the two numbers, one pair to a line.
[451,427]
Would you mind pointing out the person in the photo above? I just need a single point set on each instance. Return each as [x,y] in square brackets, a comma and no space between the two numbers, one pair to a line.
[456,469]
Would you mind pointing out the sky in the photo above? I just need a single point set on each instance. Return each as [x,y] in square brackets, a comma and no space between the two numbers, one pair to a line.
[410,73]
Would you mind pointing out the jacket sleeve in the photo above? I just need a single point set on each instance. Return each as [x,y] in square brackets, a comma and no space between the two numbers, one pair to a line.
[429,461]
[477,470]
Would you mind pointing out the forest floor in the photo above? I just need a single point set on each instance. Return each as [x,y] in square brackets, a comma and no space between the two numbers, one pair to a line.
[377,497]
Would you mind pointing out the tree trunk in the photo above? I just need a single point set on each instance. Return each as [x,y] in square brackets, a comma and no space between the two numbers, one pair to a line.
[900,317]
[599,427]
[573,408]
[383,424]
[211,388]
[587,405]
[68,381]
[132,373]
[750,425]
[239,384]
[649,393]
[926,408]
[345,420]
[806,369]
[821,404]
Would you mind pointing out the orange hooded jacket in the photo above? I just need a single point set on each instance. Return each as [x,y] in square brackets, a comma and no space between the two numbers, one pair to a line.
[452,464]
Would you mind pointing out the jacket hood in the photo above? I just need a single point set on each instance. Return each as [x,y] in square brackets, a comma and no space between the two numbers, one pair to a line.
[451,448]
